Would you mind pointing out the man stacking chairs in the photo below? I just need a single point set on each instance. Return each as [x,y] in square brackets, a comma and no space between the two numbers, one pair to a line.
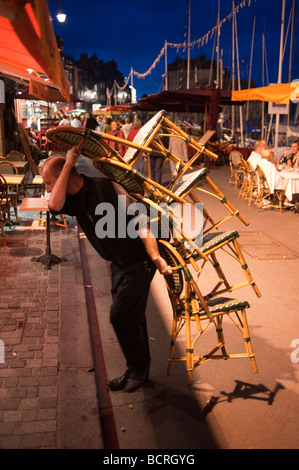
[183,251]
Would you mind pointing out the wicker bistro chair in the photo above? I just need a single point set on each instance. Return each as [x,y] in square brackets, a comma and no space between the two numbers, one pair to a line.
[249,191]
[245,186]
[190,308]
[263,192]
[7,167]
[236,168]
[201,248]
[5,203]
[153,134]
[15,156]
[198,182]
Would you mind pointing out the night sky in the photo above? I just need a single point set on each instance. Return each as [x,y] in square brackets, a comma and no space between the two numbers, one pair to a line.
[133,33]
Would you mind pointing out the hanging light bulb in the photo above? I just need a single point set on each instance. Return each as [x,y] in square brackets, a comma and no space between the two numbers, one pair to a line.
[61,16]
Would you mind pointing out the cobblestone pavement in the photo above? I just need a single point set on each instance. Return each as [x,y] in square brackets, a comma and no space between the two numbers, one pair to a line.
[30,308]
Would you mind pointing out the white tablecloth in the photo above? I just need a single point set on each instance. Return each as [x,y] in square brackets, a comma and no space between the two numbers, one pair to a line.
[293,185]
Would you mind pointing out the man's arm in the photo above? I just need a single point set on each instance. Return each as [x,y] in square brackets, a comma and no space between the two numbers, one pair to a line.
[152,249]
[59,191]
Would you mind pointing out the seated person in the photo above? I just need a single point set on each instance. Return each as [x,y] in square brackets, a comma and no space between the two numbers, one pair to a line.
[255,156]
[291,158]
[274,179]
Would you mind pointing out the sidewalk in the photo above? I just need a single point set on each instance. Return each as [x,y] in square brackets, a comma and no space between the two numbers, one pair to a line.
[47,386]
[51,377]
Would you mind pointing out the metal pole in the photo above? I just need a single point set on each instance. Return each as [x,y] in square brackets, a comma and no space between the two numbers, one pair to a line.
[218,37]
[279,72]
[291,56]
[166,74]
[239,84]
[188,63]
[233,69]
[250,68]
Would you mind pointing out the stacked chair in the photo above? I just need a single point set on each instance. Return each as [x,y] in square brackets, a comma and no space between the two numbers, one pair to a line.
[188,255]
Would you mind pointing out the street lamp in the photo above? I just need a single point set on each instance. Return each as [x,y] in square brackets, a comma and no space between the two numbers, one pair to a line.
[61,16]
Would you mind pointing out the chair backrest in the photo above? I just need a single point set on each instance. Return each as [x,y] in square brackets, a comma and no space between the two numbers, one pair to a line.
[132,182]
[187,182]
[8,168]
[15,156]
[143,136]
[263,184]
[235,158]
[90,142]
[3,191]
[206,137]
[174,281]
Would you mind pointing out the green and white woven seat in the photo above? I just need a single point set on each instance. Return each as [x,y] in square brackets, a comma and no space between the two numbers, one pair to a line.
[214,239]
[143,136]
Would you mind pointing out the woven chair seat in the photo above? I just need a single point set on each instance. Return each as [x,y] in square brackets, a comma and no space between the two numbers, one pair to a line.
[67,137]
[144,135]
[132,182]
[213,240]
[187,182]
[219,305]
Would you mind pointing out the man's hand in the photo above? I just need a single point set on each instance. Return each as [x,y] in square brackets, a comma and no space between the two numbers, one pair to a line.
[72,156]
[162,266]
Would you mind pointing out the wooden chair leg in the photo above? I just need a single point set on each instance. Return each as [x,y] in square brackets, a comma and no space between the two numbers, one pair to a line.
[247,341]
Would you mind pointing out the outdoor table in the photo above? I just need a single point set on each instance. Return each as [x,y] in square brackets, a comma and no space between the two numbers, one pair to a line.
[21,166]
[13,179]
[41,204]
[37,179]
[293,184]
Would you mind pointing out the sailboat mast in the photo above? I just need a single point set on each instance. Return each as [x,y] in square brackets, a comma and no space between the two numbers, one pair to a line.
[279,71]
[218,38]
[250,67]
[188,62]
[233,69]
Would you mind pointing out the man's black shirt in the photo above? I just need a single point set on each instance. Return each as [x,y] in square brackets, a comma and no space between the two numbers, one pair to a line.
[83,204]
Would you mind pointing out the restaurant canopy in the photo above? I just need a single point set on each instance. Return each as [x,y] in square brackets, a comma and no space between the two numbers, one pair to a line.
[282,93]
[28,48]
[195,100]
[115,109]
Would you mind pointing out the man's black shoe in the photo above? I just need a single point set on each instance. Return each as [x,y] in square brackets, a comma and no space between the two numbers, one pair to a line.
[118,383]
[135,380]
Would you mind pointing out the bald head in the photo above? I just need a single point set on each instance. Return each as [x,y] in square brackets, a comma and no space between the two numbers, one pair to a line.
[51,171]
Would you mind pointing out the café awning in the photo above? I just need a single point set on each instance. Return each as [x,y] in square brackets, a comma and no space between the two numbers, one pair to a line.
[115,109]
[28,48]
[282,93]
[185,100]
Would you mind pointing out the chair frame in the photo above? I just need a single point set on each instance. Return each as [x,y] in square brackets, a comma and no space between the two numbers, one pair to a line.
[189,306]
[236,169]
[264,192]
[13,190]
[5,203]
